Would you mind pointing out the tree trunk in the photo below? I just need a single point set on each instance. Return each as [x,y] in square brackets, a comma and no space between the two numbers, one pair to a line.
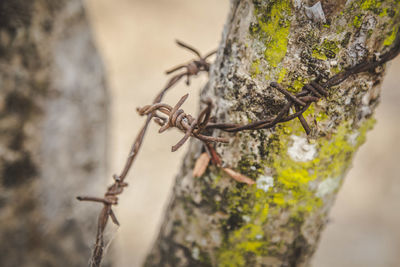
[216,221]
[53,120]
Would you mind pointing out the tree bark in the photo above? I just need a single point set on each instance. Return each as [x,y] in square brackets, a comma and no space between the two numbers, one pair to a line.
[53,120]
[215,221]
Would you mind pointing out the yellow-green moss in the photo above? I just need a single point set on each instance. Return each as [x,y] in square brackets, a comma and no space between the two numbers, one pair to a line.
[295,183]
[357,21]
[363,130]
[281,75]
[335,69]
[318,53]
[297,84]
[384,13]
[321,116]
[328,49]
[255,68]
[249,238]
[370,4]
[390,39]
[274,26]
[292,178]
[292,191]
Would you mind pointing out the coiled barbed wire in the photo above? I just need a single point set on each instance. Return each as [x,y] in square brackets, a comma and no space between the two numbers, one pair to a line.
[193,68]
[110,198]
[179,119]
[310,93]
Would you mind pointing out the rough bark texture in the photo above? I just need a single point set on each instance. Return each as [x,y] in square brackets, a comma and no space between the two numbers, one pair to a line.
[52,132]
[215,221]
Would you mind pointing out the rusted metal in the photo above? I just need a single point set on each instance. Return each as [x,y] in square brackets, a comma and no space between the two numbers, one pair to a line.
[197,127]
[110,198]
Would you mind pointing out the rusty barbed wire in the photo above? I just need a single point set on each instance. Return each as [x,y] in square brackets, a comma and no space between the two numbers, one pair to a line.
[192,68]
[110,198]
[177,118]
[311,92]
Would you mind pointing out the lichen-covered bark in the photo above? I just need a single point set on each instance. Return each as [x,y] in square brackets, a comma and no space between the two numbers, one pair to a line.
[52,132]
[215,221]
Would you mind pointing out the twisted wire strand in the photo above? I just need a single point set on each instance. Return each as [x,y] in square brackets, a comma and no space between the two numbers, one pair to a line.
[193,67]
[110,198]
[298,103]
[310,93]
[190,126]
[177,118]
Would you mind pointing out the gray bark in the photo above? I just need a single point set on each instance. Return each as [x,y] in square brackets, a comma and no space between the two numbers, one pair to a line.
[53,130]
[215,221]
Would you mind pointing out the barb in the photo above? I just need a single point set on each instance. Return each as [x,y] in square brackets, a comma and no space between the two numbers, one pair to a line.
[310,93]
[110,198]
[194,66]
[179,119]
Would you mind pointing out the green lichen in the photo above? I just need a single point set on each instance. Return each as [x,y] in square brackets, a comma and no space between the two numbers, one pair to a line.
[335,69]
[334,156]
[255,68]
[274,27]
[318,54]
[371,4]
[363,130]
[281,75]
[297,84]
[384,13]
[321,116]
[292,191]
[390,39]
[328,49]
[249,237]
[357,21]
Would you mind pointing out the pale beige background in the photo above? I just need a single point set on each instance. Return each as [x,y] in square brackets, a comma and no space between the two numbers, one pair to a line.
[136,39]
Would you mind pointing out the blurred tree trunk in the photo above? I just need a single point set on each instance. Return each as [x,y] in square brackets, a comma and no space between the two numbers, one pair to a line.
[215,221]
[53,120]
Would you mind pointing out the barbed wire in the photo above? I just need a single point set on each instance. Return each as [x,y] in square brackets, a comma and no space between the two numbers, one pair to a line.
[184,122]
[311,92]
[192,68]
[298,103]
[195,127]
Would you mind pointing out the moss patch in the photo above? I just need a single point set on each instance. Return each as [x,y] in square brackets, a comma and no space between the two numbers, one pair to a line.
[255,68]
[390,38]
[371,4]
[251,208]
[272,29]
[328,49]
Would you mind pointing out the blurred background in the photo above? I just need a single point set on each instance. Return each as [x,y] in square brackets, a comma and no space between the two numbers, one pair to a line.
[136,40]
